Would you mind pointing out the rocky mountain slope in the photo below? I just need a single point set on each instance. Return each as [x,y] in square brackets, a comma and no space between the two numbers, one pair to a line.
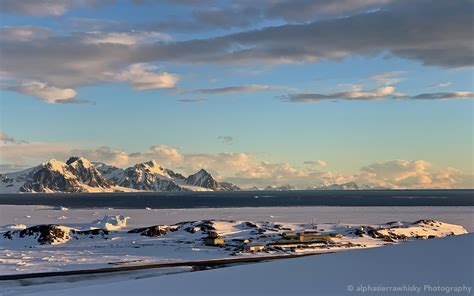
[76,175]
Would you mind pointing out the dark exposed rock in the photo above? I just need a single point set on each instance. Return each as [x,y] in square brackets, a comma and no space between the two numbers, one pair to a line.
[250,224]
[91,232]
[151,231]
[45,180]
[191,229]
[426,222]
[44,234]
[390,237]
[49,233]
[206,226]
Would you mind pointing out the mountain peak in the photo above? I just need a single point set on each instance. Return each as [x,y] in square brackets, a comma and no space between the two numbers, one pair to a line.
[203,179]
[153,167]
[54,165]
[203,171]
[152,163]
[75,159]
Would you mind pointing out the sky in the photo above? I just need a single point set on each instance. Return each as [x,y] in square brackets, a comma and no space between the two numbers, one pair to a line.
[271,92]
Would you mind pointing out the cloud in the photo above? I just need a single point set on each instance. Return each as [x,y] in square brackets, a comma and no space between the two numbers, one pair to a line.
[315,163]
[168,153]
[387,78]
[354,95]
[382,93]
[124,38]
[104,154]
[441,84]
[232,89]
[226,139]
[192,101]
[47,93]
[444,95]
[413,174]
[46,7]
[22,153]
[140,77]
[23,33]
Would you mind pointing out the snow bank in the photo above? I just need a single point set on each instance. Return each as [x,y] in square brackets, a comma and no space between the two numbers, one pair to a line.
[109,223]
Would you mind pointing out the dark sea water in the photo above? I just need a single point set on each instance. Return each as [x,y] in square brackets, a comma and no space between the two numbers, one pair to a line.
[180,200]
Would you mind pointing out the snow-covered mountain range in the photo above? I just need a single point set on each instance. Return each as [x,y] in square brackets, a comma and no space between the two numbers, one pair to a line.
[78,174]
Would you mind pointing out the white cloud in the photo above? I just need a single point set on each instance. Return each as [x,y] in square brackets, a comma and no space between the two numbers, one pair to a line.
[166,153]
[413,174]
[441,84]
[125,38]
[140,77]
[387,78]
[47,93]
[315,163]
[104,154]
[23,153]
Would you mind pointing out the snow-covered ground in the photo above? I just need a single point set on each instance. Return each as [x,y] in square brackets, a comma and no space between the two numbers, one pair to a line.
[32,215]
[78,250]
[433,267]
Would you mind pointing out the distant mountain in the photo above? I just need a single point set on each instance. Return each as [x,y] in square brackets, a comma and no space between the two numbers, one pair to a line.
[344,186]
[80,175]
[76,175]
[151,176]
[280,188]
[204,179]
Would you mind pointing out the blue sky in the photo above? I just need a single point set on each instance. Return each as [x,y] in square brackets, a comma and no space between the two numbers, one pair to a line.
[355,107]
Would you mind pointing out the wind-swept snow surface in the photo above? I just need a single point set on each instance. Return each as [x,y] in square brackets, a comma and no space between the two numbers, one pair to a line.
[432,267]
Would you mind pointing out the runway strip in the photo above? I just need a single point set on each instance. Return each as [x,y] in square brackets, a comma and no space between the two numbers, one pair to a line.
[197,264]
